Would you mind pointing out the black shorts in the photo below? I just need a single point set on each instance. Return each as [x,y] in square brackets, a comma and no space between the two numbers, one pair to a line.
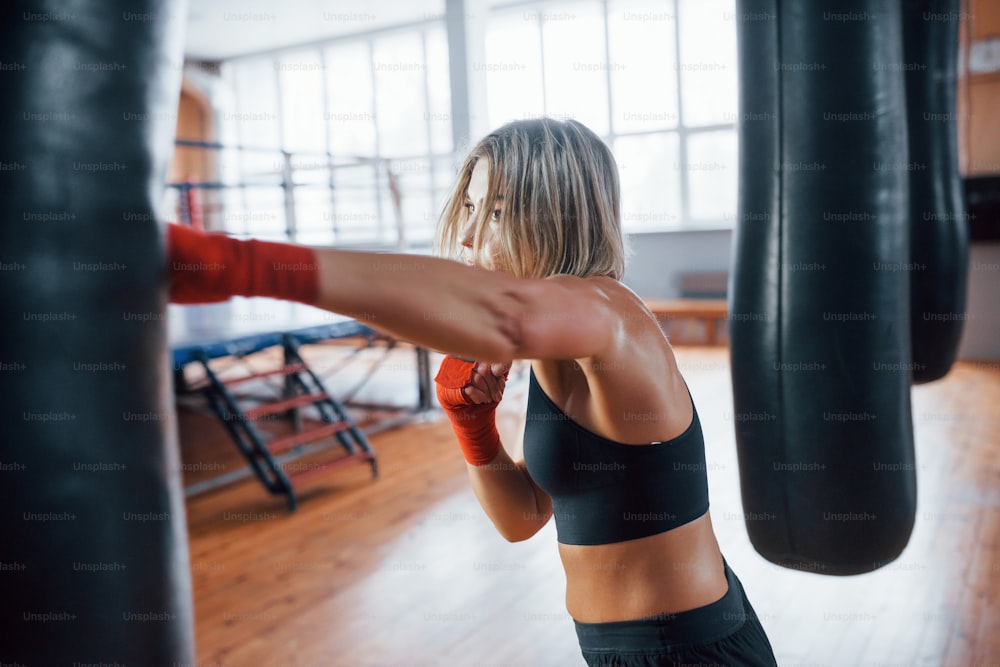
[725,633]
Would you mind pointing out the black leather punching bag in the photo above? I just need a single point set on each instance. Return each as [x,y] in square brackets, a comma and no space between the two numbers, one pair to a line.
[93,546]
[819,297]
[939,233]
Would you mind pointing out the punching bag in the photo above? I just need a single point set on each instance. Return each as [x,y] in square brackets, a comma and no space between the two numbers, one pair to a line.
[94,543]
[939,234]
[819,295]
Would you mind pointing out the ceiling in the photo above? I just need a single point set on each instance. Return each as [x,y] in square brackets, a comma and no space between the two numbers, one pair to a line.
[222,29]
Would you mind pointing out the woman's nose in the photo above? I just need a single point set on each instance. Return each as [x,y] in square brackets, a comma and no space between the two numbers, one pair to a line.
[468,233]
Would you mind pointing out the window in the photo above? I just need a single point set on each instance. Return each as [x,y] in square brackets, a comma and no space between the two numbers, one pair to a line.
[320,139]
[325,133]
[657,79]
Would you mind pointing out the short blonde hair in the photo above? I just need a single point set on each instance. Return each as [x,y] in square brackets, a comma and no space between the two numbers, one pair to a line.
[557,184]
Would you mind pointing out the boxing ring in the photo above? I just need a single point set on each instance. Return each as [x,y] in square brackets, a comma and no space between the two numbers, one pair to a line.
[241,327]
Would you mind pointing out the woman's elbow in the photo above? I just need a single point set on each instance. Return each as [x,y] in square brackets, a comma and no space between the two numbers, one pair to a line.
[517,535]
[521,530]
[507,340]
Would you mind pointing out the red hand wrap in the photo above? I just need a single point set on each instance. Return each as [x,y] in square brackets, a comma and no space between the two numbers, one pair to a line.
[474,423]
[205,268]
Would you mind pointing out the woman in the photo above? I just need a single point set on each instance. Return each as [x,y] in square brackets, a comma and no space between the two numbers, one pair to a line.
[613,447]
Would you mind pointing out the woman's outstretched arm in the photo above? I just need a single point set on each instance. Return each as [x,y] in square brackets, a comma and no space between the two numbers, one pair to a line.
[436,303]
[485,315]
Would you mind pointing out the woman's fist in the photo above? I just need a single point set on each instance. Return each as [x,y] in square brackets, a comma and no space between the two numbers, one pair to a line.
[469,392]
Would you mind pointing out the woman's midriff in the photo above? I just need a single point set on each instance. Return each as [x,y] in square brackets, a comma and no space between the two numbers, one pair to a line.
[667,573]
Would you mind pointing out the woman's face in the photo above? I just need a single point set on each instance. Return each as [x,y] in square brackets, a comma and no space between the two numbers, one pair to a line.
[479,210]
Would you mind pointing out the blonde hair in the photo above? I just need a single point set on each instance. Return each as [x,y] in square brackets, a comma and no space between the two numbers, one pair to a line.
[557,184]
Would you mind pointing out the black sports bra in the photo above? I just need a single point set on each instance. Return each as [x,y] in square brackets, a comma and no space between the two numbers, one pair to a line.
[605,491]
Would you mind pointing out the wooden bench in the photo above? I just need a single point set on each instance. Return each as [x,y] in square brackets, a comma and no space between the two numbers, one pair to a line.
[703,297]
[709,311]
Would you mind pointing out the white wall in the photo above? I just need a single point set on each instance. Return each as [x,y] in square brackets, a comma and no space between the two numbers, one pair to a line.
[658,260]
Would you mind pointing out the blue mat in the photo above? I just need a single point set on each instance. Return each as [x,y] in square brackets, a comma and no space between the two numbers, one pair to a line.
[243,326]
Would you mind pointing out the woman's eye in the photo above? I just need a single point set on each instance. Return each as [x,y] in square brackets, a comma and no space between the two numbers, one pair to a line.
[496,216]
[470,207]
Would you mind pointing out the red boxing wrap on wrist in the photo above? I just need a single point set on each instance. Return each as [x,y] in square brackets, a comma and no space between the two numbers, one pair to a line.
[205,268]
[474,424]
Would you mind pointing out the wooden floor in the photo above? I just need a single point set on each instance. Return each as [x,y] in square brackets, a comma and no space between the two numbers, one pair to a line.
[406,570]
